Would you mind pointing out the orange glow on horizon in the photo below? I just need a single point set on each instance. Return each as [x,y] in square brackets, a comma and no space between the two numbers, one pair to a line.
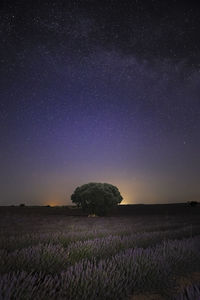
[52,202]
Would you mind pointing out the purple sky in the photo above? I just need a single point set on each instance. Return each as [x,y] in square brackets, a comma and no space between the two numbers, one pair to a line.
[78,104]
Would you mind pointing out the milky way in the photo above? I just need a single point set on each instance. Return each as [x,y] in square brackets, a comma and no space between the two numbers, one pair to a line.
[98,91]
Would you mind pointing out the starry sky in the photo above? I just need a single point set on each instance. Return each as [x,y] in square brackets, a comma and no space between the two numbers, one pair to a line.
[103,91]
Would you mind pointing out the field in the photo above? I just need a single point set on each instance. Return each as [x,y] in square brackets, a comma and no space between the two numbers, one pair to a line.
[48,253]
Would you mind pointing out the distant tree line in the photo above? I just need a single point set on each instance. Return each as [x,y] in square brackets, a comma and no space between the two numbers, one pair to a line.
[192,203]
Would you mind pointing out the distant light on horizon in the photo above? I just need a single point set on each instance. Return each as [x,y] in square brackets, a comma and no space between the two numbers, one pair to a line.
[107,93]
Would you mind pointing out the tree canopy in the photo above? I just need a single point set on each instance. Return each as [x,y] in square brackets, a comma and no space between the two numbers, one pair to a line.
[96,198]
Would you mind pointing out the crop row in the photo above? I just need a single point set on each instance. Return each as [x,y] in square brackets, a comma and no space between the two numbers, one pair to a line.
[189,293]
[117,277]
[53,257]
[64,238]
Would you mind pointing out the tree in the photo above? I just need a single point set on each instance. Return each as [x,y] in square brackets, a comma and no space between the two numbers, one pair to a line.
[96,198]
[192,203]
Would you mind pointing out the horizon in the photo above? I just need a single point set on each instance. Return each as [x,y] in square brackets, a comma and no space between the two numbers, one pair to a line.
[74,205]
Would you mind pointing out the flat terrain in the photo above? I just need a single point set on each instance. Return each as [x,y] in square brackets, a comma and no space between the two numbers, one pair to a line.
[138,252]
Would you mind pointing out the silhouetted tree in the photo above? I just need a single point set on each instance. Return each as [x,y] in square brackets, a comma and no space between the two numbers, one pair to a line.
[192,203]
[96,198]
[22,205]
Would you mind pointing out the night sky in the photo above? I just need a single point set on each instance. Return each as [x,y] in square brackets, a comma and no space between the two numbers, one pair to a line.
[103,91]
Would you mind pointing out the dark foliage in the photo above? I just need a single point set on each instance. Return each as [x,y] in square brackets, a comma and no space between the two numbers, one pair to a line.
[192,203]
[96,198]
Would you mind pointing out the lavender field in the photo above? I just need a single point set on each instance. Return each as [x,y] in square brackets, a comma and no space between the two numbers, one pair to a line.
[76,257]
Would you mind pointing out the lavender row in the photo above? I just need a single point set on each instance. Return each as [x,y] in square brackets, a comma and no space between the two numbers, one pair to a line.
[110,245]
[189,293]
[65,238]
[11,243]
[54,257]
[48,258]
[118,277]
[64,231]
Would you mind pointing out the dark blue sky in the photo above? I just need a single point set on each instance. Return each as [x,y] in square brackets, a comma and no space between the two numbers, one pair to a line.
[92,93]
